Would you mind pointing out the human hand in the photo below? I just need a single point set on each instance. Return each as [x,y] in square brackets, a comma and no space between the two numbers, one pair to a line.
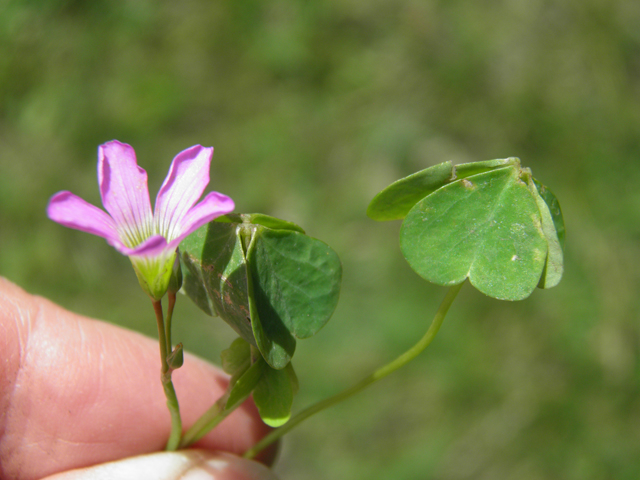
[76,392]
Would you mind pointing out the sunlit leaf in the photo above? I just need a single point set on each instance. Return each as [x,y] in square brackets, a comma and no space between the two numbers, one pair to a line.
[273,395]
[465,170]
[486,227]
[553,268]
[272,222]
[395,201]
[554,208]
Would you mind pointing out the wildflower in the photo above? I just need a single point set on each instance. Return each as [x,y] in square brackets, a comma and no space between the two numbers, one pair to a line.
[149,239]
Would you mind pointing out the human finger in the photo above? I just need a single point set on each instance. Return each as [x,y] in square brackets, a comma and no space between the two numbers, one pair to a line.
[76,392]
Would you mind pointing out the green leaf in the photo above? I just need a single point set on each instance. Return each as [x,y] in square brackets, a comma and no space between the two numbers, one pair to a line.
[243,387]
[216,274]
[229,218]
[296,284]
[293,378]
[554,209]
[273,395]
[465,170]
[271,285]
[193,284]
[273,339]
[259,219]
[395,201]
[446,237]
[486,227]
[271,222]
[237,358]
[553,268]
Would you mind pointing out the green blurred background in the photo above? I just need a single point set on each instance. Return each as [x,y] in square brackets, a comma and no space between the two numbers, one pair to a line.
[314,106]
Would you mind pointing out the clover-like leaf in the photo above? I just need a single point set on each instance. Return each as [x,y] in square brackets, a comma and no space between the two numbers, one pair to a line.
[265,278]
[237,358]
[488,221]
[395,201]
[465,170]
[272,222]
[273,390]
[295,285]
[486,227]
[554,209]
[273,395]
[553,227]
[215,274]
[275,342]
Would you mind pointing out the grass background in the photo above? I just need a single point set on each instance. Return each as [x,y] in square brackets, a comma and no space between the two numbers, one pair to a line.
[313,107]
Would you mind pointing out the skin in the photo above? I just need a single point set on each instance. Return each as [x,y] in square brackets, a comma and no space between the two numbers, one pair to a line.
[76,392]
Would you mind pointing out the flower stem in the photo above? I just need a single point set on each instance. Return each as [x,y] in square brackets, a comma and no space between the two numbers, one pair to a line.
[382,372]
[167,326]
[167,384]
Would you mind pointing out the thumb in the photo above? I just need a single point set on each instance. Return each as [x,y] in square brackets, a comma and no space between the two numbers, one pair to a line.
[182,465]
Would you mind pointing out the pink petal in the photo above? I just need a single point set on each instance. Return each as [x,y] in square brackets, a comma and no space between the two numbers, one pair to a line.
[212,206]
[73,212]
[125,195]
[187,178]
[151,247]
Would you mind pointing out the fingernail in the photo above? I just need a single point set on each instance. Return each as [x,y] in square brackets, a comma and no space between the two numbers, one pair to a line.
[224,466]
[182,465]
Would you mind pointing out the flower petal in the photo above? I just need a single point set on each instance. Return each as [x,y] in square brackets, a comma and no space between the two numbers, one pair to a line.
[151,247]
[187,178]
[125,195]
[212,206]
[72,211]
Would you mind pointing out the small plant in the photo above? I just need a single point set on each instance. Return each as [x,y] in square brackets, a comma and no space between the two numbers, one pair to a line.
[490,222]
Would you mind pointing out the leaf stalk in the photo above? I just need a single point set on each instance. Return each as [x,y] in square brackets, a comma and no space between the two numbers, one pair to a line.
[380,373]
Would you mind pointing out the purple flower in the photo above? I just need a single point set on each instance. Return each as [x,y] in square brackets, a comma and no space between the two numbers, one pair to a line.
[149,239]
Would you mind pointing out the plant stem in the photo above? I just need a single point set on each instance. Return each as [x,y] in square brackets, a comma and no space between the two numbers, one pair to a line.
[382,372]
[167,384]
[167,326]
